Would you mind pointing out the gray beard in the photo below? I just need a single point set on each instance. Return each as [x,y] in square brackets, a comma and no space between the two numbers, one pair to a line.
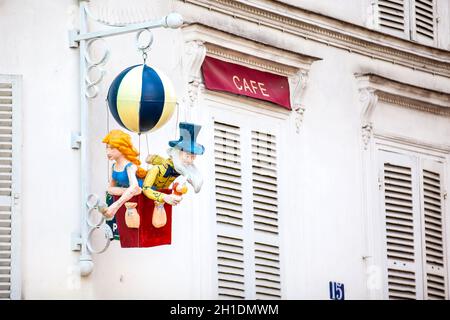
[190,172]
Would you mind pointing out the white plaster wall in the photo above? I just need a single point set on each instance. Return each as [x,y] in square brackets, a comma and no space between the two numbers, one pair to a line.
[443,8]
[418,125]
[322,236]
[34,44]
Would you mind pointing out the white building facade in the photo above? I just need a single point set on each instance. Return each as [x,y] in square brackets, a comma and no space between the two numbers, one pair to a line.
[346,189]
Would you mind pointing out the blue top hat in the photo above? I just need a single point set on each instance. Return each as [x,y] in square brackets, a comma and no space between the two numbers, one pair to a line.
[188,135]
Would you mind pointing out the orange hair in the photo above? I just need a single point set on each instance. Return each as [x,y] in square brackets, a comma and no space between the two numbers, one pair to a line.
[122,142]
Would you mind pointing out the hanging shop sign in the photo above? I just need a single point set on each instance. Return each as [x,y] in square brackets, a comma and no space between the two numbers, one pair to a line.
[220,75]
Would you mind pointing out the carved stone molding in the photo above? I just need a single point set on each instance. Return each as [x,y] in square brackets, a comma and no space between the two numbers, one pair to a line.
[330,31]
[298,84]
[413,104]
[299,116]
[194,54]
[374,88]
[367,133]
[369,100]
[226,54]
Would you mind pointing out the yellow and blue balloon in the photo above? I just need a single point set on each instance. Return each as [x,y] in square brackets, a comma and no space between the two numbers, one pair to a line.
[141,99]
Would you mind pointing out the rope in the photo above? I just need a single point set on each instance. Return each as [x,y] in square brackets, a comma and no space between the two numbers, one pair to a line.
[176,123]
[107,131]
[148,149]
[139,150]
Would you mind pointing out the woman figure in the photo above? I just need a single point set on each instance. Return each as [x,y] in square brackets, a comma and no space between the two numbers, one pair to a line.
[126,177]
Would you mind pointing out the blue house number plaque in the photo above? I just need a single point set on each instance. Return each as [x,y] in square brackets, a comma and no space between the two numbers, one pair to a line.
[336,291]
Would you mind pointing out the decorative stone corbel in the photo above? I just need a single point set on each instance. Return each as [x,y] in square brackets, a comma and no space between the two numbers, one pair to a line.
[369,100]
[298,82]
[194,54]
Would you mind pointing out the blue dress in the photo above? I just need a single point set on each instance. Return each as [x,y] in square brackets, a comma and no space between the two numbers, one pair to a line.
[121,177]
[122,181]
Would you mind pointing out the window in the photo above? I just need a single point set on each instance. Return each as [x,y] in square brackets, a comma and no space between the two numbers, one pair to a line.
[9,187]
[411,19]
[413,202]
[248,256]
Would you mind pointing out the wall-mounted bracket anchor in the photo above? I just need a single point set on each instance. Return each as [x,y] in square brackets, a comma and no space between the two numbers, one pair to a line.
[75,140]
[76,241]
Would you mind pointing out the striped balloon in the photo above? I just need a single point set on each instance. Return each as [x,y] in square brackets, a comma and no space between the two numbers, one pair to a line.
[141,98]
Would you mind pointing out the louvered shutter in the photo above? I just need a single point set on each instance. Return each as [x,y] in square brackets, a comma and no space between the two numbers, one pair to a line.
[433,242]
[246,201]
[229,212]
[423,21]
[10,96]
[402,227]
[393,17]
[7,94]
[265,215]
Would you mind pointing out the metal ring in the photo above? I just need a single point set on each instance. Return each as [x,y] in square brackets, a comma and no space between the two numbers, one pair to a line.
[100,78]
[150,41]
[87,56]
[91,91]
[88,242]
[95,199]
[89,220]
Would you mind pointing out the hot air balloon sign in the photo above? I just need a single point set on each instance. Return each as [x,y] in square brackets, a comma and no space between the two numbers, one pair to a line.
[141,99]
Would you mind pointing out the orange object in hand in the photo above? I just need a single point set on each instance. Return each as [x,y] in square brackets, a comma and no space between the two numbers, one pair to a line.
[179,189]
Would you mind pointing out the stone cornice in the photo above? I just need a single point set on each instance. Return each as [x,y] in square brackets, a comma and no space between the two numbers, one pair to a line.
[375,88]
[333,32]
[247,52]
[412,104]
[405,95]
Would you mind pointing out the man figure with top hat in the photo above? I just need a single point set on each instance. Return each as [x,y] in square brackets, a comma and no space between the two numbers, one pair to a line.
[182,154]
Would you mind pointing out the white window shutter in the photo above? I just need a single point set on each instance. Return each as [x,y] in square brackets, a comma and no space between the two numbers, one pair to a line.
[435,269]
[393,17]
[6,105]
[265,215]
[229,212]
[423,26]
[402,227]
[246,201]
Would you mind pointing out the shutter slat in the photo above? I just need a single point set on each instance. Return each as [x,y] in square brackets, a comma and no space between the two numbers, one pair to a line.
[267,272]
[424,18]
[227,166]
[228,195]
[265,215]
[264,144]
[401,284]
[433,255]
[223,177]
[391,15]
[398,201]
